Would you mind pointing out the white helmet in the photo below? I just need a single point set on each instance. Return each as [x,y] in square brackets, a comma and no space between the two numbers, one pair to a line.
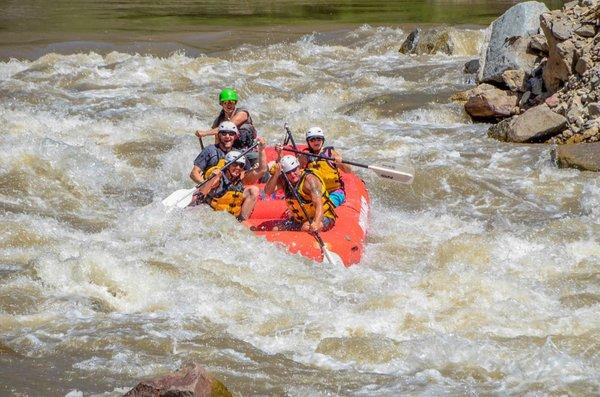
[289,163]
[230,156]
[228,126]
[315,132]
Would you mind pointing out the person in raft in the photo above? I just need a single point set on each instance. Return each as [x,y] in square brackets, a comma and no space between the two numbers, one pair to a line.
[309,187]
[329,171]
[214,156]
[225,191]
[228,99]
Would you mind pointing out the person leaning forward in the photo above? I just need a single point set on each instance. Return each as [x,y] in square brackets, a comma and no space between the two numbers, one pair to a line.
[225,191]
[214,156]
[318,214]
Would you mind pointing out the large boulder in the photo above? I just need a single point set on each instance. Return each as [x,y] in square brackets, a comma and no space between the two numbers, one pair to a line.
[509,41]
[192,380]
[584,156]
[488,102]
[535,125]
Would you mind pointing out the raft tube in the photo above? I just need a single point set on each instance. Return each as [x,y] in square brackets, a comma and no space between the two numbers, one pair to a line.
[346,238]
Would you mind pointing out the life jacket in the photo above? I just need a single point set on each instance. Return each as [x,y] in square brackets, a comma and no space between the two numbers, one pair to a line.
[327,170]
[210,170]
[296,207]
[246,130]
[228,196]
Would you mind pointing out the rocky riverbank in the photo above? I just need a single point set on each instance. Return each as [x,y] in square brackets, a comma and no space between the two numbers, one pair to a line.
[539,79]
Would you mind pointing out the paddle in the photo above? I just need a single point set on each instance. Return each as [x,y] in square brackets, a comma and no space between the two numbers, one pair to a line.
[316,235]
[182,197]
[384,172]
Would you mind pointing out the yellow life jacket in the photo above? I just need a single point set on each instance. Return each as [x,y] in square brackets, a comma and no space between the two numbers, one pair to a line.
[296,207]
[229,196]
[327,170]
[210,170]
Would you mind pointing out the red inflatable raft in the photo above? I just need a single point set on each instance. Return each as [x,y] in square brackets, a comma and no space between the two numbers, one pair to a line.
[346,239]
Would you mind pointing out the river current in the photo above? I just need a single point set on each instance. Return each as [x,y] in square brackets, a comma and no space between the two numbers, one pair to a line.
[480,278]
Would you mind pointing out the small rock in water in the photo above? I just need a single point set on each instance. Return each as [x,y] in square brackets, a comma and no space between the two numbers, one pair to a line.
[472,66]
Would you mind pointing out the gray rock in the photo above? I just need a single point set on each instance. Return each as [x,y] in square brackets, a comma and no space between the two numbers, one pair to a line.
[583,65]
[500,131]
[536,85]
[594,109]
[432,41]
[562,29]
[524,99]
[584,156]
[586,30]
[472,66]
[410,43]
[538,43]
[535,125]
[507,48]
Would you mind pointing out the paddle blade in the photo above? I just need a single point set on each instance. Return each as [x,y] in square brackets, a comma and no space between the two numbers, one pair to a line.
[393,172]
[333,258]
[180,198]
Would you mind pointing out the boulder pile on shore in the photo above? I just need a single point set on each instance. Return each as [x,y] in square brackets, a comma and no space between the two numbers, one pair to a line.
[539,79]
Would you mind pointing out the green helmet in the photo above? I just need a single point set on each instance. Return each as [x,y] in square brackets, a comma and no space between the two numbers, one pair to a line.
[228,94]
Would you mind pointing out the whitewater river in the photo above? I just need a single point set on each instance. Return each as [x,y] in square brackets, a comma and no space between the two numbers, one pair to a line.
[481,278]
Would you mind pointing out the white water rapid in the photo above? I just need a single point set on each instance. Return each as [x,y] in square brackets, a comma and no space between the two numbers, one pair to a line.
[482,278]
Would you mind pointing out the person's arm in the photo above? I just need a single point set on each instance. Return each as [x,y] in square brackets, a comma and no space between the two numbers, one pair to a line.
[313,187]
[202,133]
[200,163]
[212,183]
[239,118]
[337,157]
[256,173]
[196,174]
[272,184]
[303,161]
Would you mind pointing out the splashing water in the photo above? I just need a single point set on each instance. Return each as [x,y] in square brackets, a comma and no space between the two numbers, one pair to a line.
[480,278]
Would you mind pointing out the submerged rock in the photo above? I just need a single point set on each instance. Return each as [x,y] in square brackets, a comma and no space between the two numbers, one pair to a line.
[472,67]
[443,40]
[584,156]
[192,380]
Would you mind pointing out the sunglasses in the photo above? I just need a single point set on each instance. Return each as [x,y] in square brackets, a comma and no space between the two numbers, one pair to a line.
[228,103]
[291,171]
[315,138]
[241,165]
[230,133]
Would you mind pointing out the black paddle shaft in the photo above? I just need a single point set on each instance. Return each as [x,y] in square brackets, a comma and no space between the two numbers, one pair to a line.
[295,193]
[316,235]
[228,164]
[324,157]
[290,137]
